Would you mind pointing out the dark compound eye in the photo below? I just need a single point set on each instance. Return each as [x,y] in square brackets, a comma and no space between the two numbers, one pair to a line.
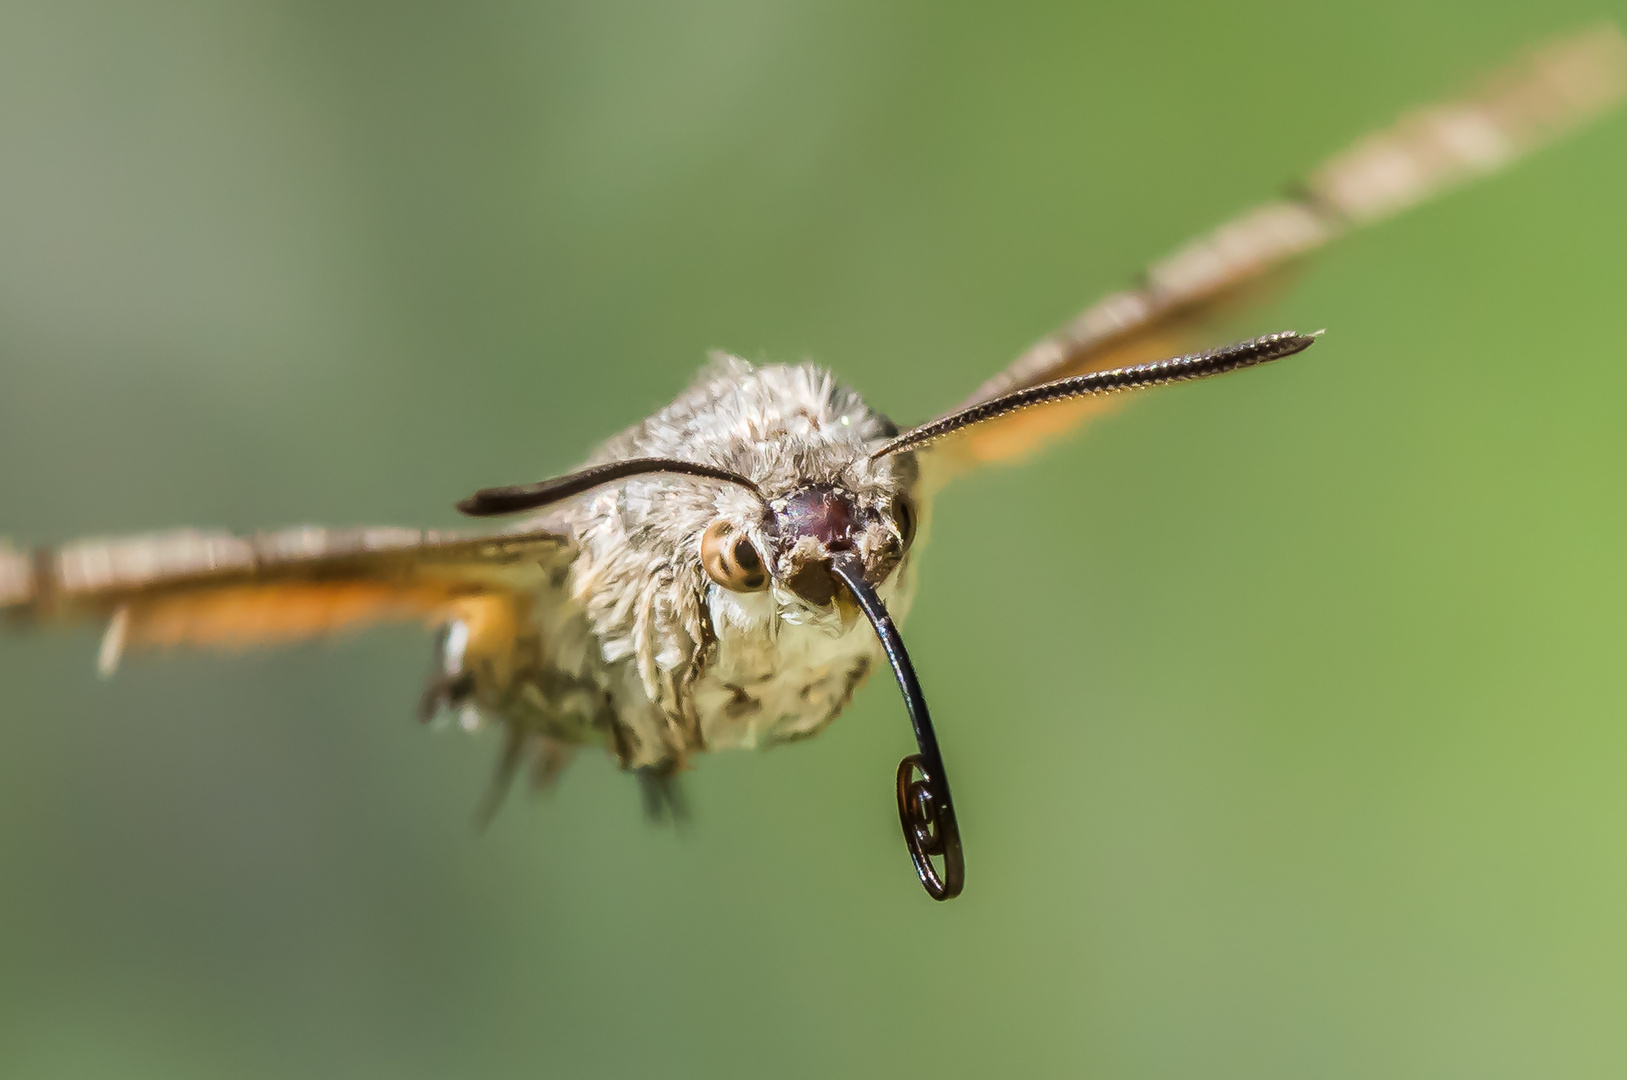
[730,560]
[904,517]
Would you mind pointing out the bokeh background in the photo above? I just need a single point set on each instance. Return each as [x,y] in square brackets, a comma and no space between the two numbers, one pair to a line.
[1287,714]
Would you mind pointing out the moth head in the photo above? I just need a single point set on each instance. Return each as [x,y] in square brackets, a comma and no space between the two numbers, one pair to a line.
[770,476]
[776,560]
[819,523]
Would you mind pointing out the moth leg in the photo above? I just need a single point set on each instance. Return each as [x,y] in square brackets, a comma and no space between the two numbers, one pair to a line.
[663,795]
[508,765]
[547,756]
[451,685]
[548,759]
[113,642]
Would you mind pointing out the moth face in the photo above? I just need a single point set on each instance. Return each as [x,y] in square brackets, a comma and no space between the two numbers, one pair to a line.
[792,549]
[820,522]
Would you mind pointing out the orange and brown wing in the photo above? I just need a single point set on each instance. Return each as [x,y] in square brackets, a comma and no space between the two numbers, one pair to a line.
[222,590]
[1552,92]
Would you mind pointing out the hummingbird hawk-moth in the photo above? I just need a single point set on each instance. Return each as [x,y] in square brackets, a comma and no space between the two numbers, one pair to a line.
[726,573]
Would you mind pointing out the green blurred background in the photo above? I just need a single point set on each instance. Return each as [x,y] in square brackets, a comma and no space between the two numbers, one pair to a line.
[1285,713]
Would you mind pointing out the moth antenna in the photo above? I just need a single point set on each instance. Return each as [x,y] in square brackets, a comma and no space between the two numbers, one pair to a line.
[488,502]
[1202,365]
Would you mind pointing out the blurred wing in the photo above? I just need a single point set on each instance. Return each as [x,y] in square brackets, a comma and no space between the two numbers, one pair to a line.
[1551,93]
[217,589]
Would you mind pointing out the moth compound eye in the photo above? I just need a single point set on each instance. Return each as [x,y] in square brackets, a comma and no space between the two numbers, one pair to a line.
[904,517]
[732,560]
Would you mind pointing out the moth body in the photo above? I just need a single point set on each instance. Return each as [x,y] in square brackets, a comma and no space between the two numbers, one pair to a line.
[635,647]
